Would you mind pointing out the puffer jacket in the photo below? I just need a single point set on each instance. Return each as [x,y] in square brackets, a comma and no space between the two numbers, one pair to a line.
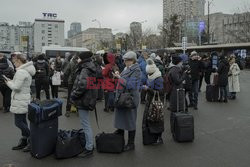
[82,95]
[20,86]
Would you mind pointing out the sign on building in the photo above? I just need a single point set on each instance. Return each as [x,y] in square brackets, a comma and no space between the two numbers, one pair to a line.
[24,41]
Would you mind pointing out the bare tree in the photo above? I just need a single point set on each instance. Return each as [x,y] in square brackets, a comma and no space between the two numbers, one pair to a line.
[171,30]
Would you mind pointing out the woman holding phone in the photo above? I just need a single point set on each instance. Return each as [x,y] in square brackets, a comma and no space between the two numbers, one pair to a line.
[20,97]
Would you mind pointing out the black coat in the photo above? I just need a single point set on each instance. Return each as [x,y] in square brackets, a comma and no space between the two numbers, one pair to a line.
[223,70]
[154,86]
[196,69]
[82,95]
[6,70]
[177,77]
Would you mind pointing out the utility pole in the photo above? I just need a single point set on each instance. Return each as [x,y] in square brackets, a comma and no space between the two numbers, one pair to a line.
[208,21]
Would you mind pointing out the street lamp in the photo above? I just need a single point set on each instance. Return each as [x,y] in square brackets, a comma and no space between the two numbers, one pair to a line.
[99,23]
[208,20]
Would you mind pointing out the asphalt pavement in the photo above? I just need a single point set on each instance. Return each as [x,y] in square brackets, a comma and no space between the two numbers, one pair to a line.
[222,139]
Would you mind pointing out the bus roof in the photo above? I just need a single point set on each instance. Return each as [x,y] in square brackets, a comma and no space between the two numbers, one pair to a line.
[60,48]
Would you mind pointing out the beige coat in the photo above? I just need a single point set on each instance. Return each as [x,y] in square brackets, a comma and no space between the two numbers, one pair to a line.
[233,79]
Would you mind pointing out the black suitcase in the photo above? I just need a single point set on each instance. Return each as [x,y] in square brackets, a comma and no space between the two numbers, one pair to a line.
[41,111]
[182,122]
[212,93]
[109,143]
[43,138]
[147,137]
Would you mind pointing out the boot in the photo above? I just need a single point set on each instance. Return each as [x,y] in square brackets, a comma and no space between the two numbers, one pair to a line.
[129,147]
[21,145]
[6,110]
[28,147]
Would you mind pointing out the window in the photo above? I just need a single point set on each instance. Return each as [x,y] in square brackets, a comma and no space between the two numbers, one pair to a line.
[56,26]
[43,44]
[43,38]
[43,31]
[49,31]
[43,25]
[49,25]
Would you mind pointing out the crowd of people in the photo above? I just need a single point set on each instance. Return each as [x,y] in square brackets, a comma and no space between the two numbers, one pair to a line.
[143,74]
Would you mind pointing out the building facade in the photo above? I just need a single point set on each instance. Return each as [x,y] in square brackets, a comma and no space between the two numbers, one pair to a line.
[190,13]
[48,32]
[75,28]
[93,38]
[16,37]
[136,35]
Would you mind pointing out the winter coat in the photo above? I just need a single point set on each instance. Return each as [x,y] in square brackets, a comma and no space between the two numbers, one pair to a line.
[82,95]
[70,71]
[196,68]
[153,85]
[160,65]
[223,70]
[20,86]
[142,63]
[233,79]
[177,77]
[109,82]
[42,70]
[130,79]
[58,65]
[6,70]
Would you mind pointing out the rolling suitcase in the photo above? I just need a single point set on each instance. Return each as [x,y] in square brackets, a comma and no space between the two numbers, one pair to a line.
[43,138]
[41,111]
[182,122]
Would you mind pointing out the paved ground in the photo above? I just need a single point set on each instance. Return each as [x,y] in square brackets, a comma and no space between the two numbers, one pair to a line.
[222,139]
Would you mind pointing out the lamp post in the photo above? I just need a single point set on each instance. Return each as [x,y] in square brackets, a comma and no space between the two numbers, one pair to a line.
[99,23]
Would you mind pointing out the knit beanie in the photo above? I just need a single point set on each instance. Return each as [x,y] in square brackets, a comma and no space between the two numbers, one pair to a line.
[176,60]
[85,55]
[151,67]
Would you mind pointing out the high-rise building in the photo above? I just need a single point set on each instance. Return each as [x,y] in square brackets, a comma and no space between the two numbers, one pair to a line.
[48,32]
[136,34]
[75,28]
[191,10]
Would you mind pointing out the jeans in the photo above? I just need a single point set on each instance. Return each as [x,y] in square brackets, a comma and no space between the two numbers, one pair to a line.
[223,93]
[21,123]
[109,99]
[68,106]
[193,94]
[201,80]
[84,118]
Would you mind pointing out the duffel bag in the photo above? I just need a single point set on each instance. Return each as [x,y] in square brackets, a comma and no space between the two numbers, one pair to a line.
[41,111]
[109,143]
[70,144]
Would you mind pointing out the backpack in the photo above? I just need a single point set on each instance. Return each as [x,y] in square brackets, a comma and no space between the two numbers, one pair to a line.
[41,71]
[168,84]
[156,113]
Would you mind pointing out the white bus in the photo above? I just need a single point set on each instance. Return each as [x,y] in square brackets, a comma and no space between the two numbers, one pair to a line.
[53,50]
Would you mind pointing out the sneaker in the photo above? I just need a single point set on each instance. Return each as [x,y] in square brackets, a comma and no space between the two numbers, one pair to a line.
[190,105]
[195,108]
[159,142]
[87,153]
[21,145]
[129,147]
[225,101]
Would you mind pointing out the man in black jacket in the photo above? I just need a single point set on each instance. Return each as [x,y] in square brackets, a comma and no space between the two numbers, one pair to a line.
[5,70]
[196,67]
[42,76]
[84,95]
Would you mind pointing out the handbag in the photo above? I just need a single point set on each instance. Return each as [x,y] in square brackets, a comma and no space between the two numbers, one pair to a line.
[125,100]
[109,143]
[56,78]
[156,113]
[70,143]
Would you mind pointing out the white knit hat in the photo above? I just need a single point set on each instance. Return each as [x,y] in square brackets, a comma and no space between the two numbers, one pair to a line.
[153,56]
[151,67]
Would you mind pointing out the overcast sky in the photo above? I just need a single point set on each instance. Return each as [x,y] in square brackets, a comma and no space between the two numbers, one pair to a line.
[115,14]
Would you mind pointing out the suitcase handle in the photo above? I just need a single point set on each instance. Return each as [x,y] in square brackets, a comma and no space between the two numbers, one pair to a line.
[178,100]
